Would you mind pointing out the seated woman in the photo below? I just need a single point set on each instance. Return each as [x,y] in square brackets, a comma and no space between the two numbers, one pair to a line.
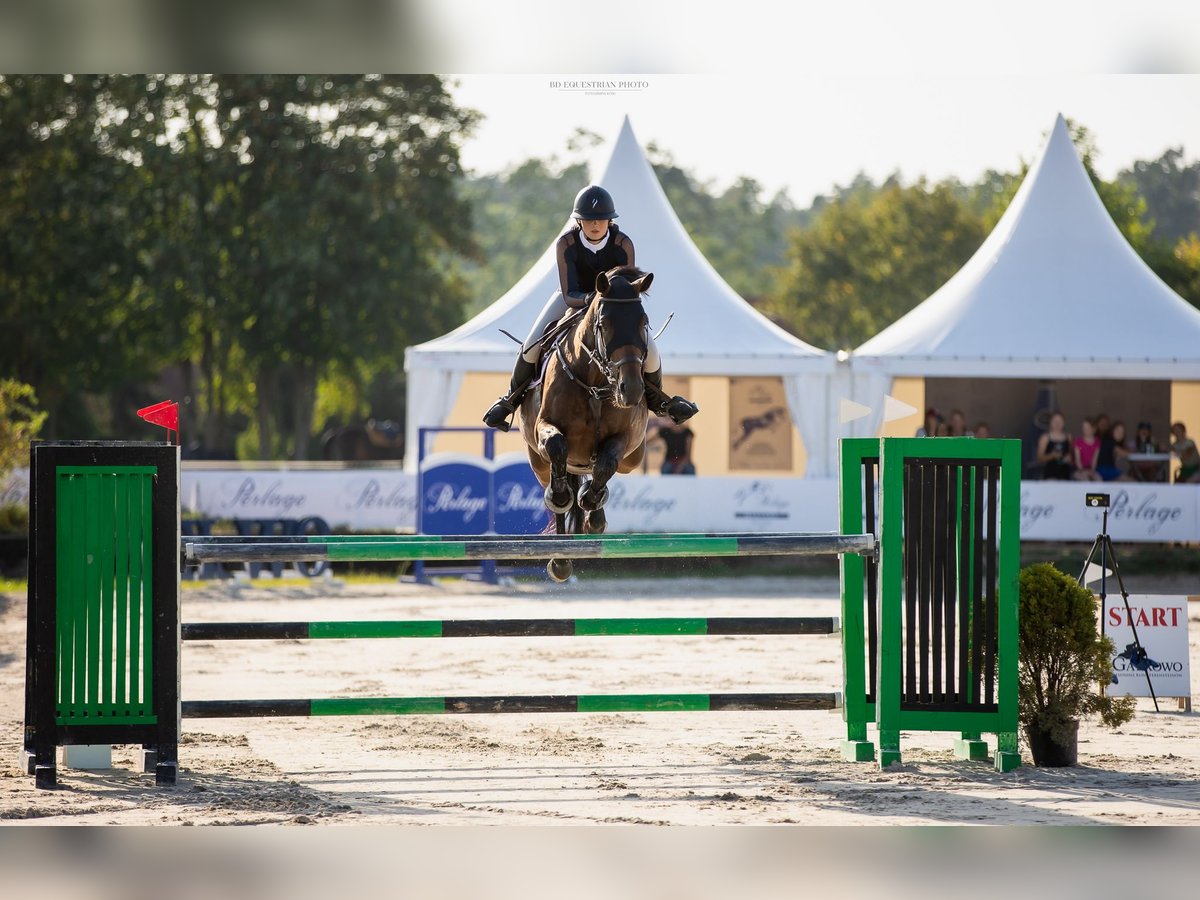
[1054,451]
[1087,451]
[1189,457]
[1112,462]
[1148,469]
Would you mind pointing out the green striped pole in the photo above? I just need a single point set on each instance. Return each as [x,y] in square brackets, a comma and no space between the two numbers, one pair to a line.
[579,547]
[434,628]
[571,703]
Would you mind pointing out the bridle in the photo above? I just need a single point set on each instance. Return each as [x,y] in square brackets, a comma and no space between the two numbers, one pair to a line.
[608,368]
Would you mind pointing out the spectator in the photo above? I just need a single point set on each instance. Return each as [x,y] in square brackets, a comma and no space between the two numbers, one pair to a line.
[1143,441]
[982,430]
[1087,452]
[957,426]
[678,441]
[1113,459]
[1189,458]
[933,424]
[1054,450]
[1148,469]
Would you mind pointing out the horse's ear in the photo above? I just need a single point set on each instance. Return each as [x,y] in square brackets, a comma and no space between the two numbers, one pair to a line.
[643,283]
[602,283]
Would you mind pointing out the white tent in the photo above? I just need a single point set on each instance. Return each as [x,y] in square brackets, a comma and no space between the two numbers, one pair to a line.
[1055,292]
[714,332]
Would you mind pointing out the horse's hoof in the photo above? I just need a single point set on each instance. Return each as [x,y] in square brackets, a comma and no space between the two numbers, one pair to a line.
[557,508]
[596,522]
[559,570]
[590,505]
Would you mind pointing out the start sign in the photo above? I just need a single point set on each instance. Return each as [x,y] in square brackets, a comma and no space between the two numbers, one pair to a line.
[1162,629]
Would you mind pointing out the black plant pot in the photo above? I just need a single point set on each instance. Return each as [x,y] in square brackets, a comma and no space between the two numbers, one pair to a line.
[1049,752]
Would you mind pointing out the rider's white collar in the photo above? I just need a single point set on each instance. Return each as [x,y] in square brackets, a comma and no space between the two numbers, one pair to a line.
[594,247]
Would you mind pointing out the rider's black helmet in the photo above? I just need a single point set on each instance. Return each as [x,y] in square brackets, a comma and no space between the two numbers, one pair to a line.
[594,202]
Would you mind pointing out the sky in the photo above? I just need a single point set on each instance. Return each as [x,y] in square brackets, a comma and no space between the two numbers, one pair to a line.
[807,133]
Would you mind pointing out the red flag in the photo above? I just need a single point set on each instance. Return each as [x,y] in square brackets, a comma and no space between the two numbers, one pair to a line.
[165,414]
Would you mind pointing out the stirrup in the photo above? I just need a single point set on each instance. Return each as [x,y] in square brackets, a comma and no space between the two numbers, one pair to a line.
[501,413]
[680,409]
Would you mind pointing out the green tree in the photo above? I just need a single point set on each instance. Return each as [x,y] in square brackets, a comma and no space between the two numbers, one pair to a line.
[20,423]
[868,259]
[309,215]
[1171,188]
[516,215]
[74,305]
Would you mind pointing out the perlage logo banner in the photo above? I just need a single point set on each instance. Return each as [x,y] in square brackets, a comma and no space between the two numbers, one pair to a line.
[463,494]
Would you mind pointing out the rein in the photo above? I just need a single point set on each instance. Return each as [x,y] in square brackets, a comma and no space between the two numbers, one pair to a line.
[599,358]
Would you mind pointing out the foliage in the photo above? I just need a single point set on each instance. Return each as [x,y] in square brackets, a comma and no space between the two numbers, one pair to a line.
[70,227]
[1171,188]
[1063,659]
[14,518]
[743,237]
[20,422]
[869,258]
[517,214]
[242,233]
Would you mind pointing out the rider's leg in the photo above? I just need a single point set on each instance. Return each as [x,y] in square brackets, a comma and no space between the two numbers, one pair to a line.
[677,408]
[526,367]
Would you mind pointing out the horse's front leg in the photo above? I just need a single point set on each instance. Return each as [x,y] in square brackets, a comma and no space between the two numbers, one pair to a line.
[594,493]
[553,445]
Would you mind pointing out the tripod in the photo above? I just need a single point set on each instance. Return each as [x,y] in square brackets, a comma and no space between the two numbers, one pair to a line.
[1104,544]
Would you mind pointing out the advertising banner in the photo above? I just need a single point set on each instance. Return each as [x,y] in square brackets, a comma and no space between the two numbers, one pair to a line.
[455,493]
[517,496]
[760,429]
[1162,628]
[383,499]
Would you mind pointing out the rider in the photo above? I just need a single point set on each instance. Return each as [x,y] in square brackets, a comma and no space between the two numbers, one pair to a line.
[593,244]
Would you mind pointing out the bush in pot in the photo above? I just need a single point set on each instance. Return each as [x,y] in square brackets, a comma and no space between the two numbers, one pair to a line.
[1063,661]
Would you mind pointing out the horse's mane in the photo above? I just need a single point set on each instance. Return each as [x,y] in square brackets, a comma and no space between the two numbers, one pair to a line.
[629,273]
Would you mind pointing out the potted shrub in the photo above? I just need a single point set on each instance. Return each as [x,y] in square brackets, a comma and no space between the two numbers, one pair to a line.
[1063,662]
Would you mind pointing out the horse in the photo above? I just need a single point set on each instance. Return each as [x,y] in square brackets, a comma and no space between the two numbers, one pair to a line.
[586,421]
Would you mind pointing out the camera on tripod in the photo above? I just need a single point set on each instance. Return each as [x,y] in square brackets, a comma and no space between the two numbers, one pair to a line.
[1097,501]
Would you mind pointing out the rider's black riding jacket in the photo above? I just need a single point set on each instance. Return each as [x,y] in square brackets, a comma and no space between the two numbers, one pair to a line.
[579,266]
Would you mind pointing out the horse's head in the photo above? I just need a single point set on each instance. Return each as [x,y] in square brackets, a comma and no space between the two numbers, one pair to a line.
[619,326]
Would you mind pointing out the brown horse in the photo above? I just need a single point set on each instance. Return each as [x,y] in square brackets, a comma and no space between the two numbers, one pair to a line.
[587,421]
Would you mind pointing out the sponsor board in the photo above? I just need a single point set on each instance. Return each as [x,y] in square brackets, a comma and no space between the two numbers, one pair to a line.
[1162,629]
[386,499]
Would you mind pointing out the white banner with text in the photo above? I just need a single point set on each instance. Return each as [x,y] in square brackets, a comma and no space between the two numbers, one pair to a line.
[386,499]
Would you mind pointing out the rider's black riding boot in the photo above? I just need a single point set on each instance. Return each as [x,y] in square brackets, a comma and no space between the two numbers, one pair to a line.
[677,408]
[502,410]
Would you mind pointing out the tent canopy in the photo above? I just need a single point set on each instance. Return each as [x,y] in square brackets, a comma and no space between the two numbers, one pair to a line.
[1054,292]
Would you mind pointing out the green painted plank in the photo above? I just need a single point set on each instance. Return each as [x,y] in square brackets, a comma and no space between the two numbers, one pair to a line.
[400,706]
[386,551]
[622,626]
[643,703]
[415,629]
[89,695]
[682,546]
[121,573]
[107,567]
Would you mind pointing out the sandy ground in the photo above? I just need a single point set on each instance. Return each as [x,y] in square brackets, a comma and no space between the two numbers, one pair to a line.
[656,768]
